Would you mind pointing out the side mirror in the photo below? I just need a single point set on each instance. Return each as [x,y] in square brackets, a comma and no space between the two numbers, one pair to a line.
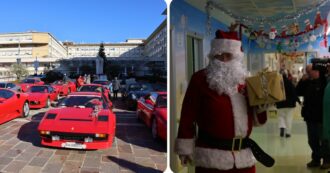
[18,95]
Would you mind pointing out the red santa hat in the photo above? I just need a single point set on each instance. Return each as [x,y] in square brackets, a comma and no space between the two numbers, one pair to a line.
[226,42]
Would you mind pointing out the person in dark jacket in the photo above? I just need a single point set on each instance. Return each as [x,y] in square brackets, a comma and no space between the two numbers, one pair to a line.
[285,108]
[311,87]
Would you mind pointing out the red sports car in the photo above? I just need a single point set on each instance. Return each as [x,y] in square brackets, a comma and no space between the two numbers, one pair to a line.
[152,109]
[28,82]
[96,88]
[61,88]
[72,86]
[40,96]
[82,120]
[13,104]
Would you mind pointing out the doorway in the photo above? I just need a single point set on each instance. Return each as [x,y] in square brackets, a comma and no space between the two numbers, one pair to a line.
[194,54]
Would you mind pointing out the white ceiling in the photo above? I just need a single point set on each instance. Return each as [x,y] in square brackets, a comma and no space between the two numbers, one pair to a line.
[256,8]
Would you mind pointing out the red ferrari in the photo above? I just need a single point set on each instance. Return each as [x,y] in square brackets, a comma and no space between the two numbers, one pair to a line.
[40,96]
[72,86]
[152,110]
[82,120]
[12,105]
[61,87]
[96,88]
[28,82]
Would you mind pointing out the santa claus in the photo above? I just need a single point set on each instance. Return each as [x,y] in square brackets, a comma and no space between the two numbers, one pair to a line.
[216,102]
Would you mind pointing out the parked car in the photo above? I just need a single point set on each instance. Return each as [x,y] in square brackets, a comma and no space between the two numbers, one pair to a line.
[13,104]
[28,82]
[61,87]
[10,85]
[82,120]
[41,96]
[95,88]
[152,110]
[131,87]
[102,82]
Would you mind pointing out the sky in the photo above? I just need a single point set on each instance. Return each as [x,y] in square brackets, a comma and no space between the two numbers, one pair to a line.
[88,21]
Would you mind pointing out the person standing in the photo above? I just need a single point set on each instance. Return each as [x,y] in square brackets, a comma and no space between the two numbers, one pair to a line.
[215,101]
[285,108]
[116,87]
[311,87]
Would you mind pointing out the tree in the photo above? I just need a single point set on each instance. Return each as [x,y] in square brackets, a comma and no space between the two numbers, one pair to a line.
[104,57]
[19,70]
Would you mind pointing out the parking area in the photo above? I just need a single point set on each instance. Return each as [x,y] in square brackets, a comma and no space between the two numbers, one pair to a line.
[134,150]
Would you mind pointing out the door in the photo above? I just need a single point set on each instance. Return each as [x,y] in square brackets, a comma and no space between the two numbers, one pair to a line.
[194,55]
[8,105]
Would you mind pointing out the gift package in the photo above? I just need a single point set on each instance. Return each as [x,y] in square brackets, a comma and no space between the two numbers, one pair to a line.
[265,88]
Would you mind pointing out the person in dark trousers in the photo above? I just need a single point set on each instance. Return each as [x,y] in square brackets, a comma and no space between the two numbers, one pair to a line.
[285,108]
[116,87]
[311,87]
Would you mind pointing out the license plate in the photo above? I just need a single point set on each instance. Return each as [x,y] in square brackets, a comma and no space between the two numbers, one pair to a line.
[73,145]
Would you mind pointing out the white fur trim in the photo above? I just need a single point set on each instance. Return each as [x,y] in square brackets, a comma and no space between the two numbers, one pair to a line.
[239,107]
[244,158]
[226,45]
[184,146]
[222,159]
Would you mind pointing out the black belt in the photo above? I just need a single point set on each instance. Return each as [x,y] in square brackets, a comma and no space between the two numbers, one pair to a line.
[236,144]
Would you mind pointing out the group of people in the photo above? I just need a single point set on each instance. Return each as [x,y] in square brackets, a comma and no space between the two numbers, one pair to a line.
[216,119]
[311,87]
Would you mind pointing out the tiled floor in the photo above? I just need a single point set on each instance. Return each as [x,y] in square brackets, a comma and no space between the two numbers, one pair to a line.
[290,154]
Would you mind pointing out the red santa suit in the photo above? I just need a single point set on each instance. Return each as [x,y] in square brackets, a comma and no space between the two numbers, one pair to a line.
[220,116]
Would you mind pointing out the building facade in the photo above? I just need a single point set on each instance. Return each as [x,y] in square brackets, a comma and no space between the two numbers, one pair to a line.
[140,57]
[155,50]
[26,48]
[130,48]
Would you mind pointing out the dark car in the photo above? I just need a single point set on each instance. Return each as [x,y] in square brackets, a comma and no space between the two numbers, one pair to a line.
[135,93]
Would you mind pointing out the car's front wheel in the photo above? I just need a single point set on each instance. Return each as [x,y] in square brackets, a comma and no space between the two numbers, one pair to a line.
[25,110]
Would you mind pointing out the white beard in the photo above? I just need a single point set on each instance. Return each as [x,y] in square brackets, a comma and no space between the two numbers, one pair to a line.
[224,77]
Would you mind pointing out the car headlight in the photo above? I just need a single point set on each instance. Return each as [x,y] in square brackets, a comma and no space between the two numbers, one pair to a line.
[100,135]
[43,132]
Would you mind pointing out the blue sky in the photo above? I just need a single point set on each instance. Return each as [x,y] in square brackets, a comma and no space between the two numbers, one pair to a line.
[83,20]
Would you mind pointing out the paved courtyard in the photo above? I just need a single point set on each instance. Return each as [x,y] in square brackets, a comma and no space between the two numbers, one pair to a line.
[134,150]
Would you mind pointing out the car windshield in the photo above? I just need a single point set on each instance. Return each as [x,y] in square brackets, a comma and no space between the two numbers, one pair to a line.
[91,88]
[28,81]
[101,82]
[39,89]
[2,85]
[6,94]
[82,101]
[162,101]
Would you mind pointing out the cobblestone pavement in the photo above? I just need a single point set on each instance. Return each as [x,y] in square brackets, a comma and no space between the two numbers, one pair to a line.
[134,150]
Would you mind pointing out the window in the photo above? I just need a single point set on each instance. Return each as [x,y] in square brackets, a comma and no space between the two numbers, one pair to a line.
[6,94]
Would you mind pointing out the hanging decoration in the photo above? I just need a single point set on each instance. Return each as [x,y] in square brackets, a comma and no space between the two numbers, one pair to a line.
[284,30]
[290,36]
[272,33]
[308,26]
[318,20]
